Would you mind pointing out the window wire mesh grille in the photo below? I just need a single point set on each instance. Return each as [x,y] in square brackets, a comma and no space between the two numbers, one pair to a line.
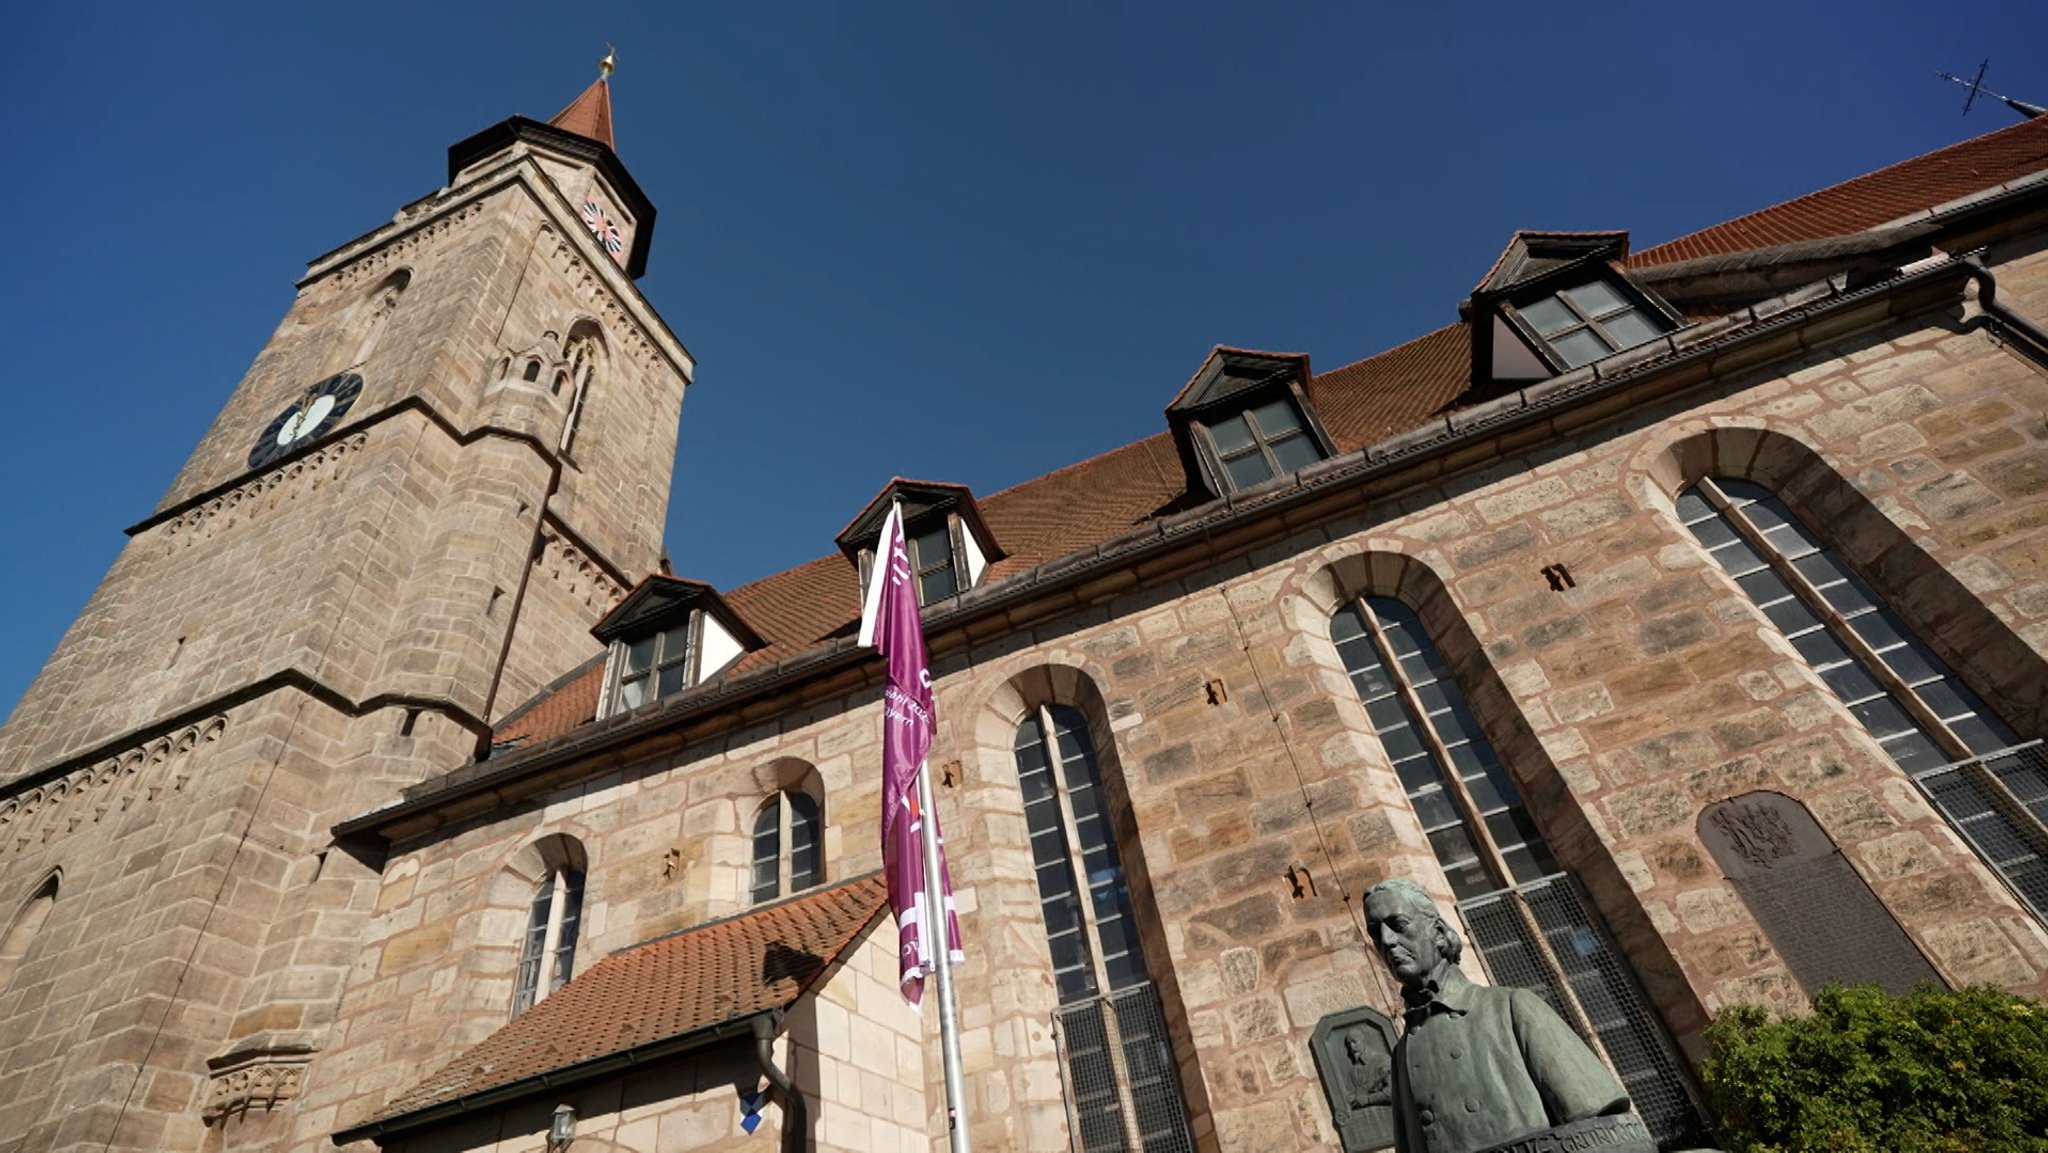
[2013,843]
[1122,1039]
[1600,985]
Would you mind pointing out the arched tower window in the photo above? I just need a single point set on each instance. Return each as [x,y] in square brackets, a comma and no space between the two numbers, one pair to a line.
[1531,924]
[585,357]
[547,951]
[21,931]
[1909,700]
[374,314]
[788,852]
[1122,1082]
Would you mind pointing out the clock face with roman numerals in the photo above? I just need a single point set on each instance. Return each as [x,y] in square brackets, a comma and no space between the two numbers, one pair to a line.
[317,410]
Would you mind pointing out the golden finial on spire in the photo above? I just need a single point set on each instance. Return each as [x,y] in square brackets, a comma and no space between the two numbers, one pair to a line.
[609,64]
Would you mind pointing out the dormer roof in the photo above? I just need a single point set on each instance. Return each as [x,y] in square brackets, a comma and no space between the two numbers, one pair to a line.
[659,601]
[1531,255]
[919,497]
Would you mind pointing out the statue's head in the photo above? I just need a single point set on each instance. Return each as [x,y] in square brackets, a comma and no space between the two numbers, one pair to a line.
[1408,932]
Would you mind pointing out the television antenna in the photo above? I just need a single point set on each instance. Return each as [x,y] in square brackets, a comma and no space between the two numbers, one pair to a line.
[1976,86]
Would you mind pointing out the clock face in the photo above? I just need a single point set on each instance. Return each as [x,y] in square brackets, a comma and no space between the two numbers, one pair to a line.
[600,224]
[319,409]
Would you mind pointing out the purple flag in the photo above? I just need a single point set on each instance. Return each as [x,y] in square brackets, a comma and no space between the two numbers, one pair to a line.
[889,622]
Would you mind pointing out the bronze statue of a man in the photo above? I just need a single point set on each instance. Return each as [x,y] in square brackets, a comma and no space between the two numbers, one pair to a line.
[1478,1067]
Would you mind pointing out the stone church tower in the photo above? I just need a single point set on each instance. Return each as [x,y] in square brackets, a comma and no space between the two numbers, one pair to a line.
[438,473]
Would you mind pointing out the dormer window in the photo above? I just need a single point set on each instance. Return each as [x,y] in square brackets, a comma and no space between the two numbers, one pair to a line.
[932,556]
[950,545]
[1261,443]
[1555,301]
[1583,323]
[657,665]
[666,636]
[1245,419]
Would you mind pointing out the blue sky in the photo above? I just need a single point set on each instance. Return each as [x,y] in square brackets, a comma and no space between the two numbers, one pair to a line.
[1010,231]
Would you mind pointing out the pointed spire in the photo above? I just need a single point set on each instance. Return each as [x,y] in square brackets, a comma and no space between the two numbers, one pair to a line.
[590,114]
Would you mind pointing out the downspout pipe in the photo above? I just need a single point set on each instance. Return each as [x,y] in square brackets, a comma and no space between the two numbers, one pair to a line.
[796,1111]
[2025,337]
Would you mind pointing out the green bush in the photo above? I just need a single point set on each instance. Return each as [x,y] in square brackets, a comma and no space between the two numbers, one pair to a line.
[1931,1072]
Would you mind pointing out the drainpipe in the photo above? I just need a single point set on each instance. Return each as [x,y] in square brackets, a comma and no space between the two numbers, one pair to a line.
[2025,337]
[796,1112]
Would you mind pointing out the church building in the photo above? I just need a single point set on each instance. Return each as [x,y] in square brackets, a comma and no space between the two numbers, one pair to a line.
[1677,615]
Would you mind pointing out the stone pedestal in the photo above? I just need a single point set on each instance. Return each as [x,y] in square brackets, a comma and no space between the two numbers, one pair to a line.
[1620,1134]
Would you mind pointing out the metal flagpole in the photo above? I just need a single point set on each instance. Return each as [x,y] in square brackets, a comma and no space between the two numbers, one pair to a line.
[938,930]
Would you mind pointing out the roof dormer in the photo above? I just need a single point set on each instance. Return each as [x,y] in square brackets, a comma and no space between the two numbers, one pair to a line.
[1554,301]
[1246,418]
[950,545]
[667,635]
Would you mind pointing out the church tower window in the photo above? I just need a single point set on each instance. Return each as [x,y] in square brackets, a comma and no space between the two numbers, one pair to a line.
[583,354]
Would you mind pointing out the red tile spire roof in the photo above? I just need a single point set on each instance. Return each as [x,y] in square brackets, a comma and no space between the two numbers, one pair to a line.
[590,115]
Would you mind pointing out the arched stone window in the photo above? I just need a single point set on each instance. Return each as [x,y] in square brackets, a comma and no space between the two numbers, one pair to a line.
[584,355]
[21,931]
[547,949]
[1122,1082]
[789,835]
[1528,919]
[1930,723]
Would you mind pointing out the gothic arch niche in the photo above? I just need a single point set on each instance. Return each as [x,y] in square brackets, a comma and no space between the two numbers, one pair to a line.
[1046,753]
[28,920]
[1945,614]
[371,316]
[585,357]
[1498,818]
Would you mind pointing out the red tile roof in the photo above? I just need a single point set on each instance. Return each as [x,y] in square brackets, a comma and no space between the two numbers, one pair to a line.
[665,989]
[590,114]
[569,702]
[1360,404]
[1873,199]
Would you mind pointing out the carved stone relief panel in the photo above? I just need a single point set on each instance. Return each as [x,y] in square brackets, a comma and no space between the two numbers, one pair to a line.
[1354,1054]
[1811,902]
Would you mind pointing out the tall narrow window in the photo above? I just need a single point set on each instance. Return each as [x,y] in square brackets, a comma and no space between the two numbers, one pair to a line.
[22,930]
[1971,765]
[375,315]
[787,858]
[547,956]
[1526,917]
[1121,1079]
